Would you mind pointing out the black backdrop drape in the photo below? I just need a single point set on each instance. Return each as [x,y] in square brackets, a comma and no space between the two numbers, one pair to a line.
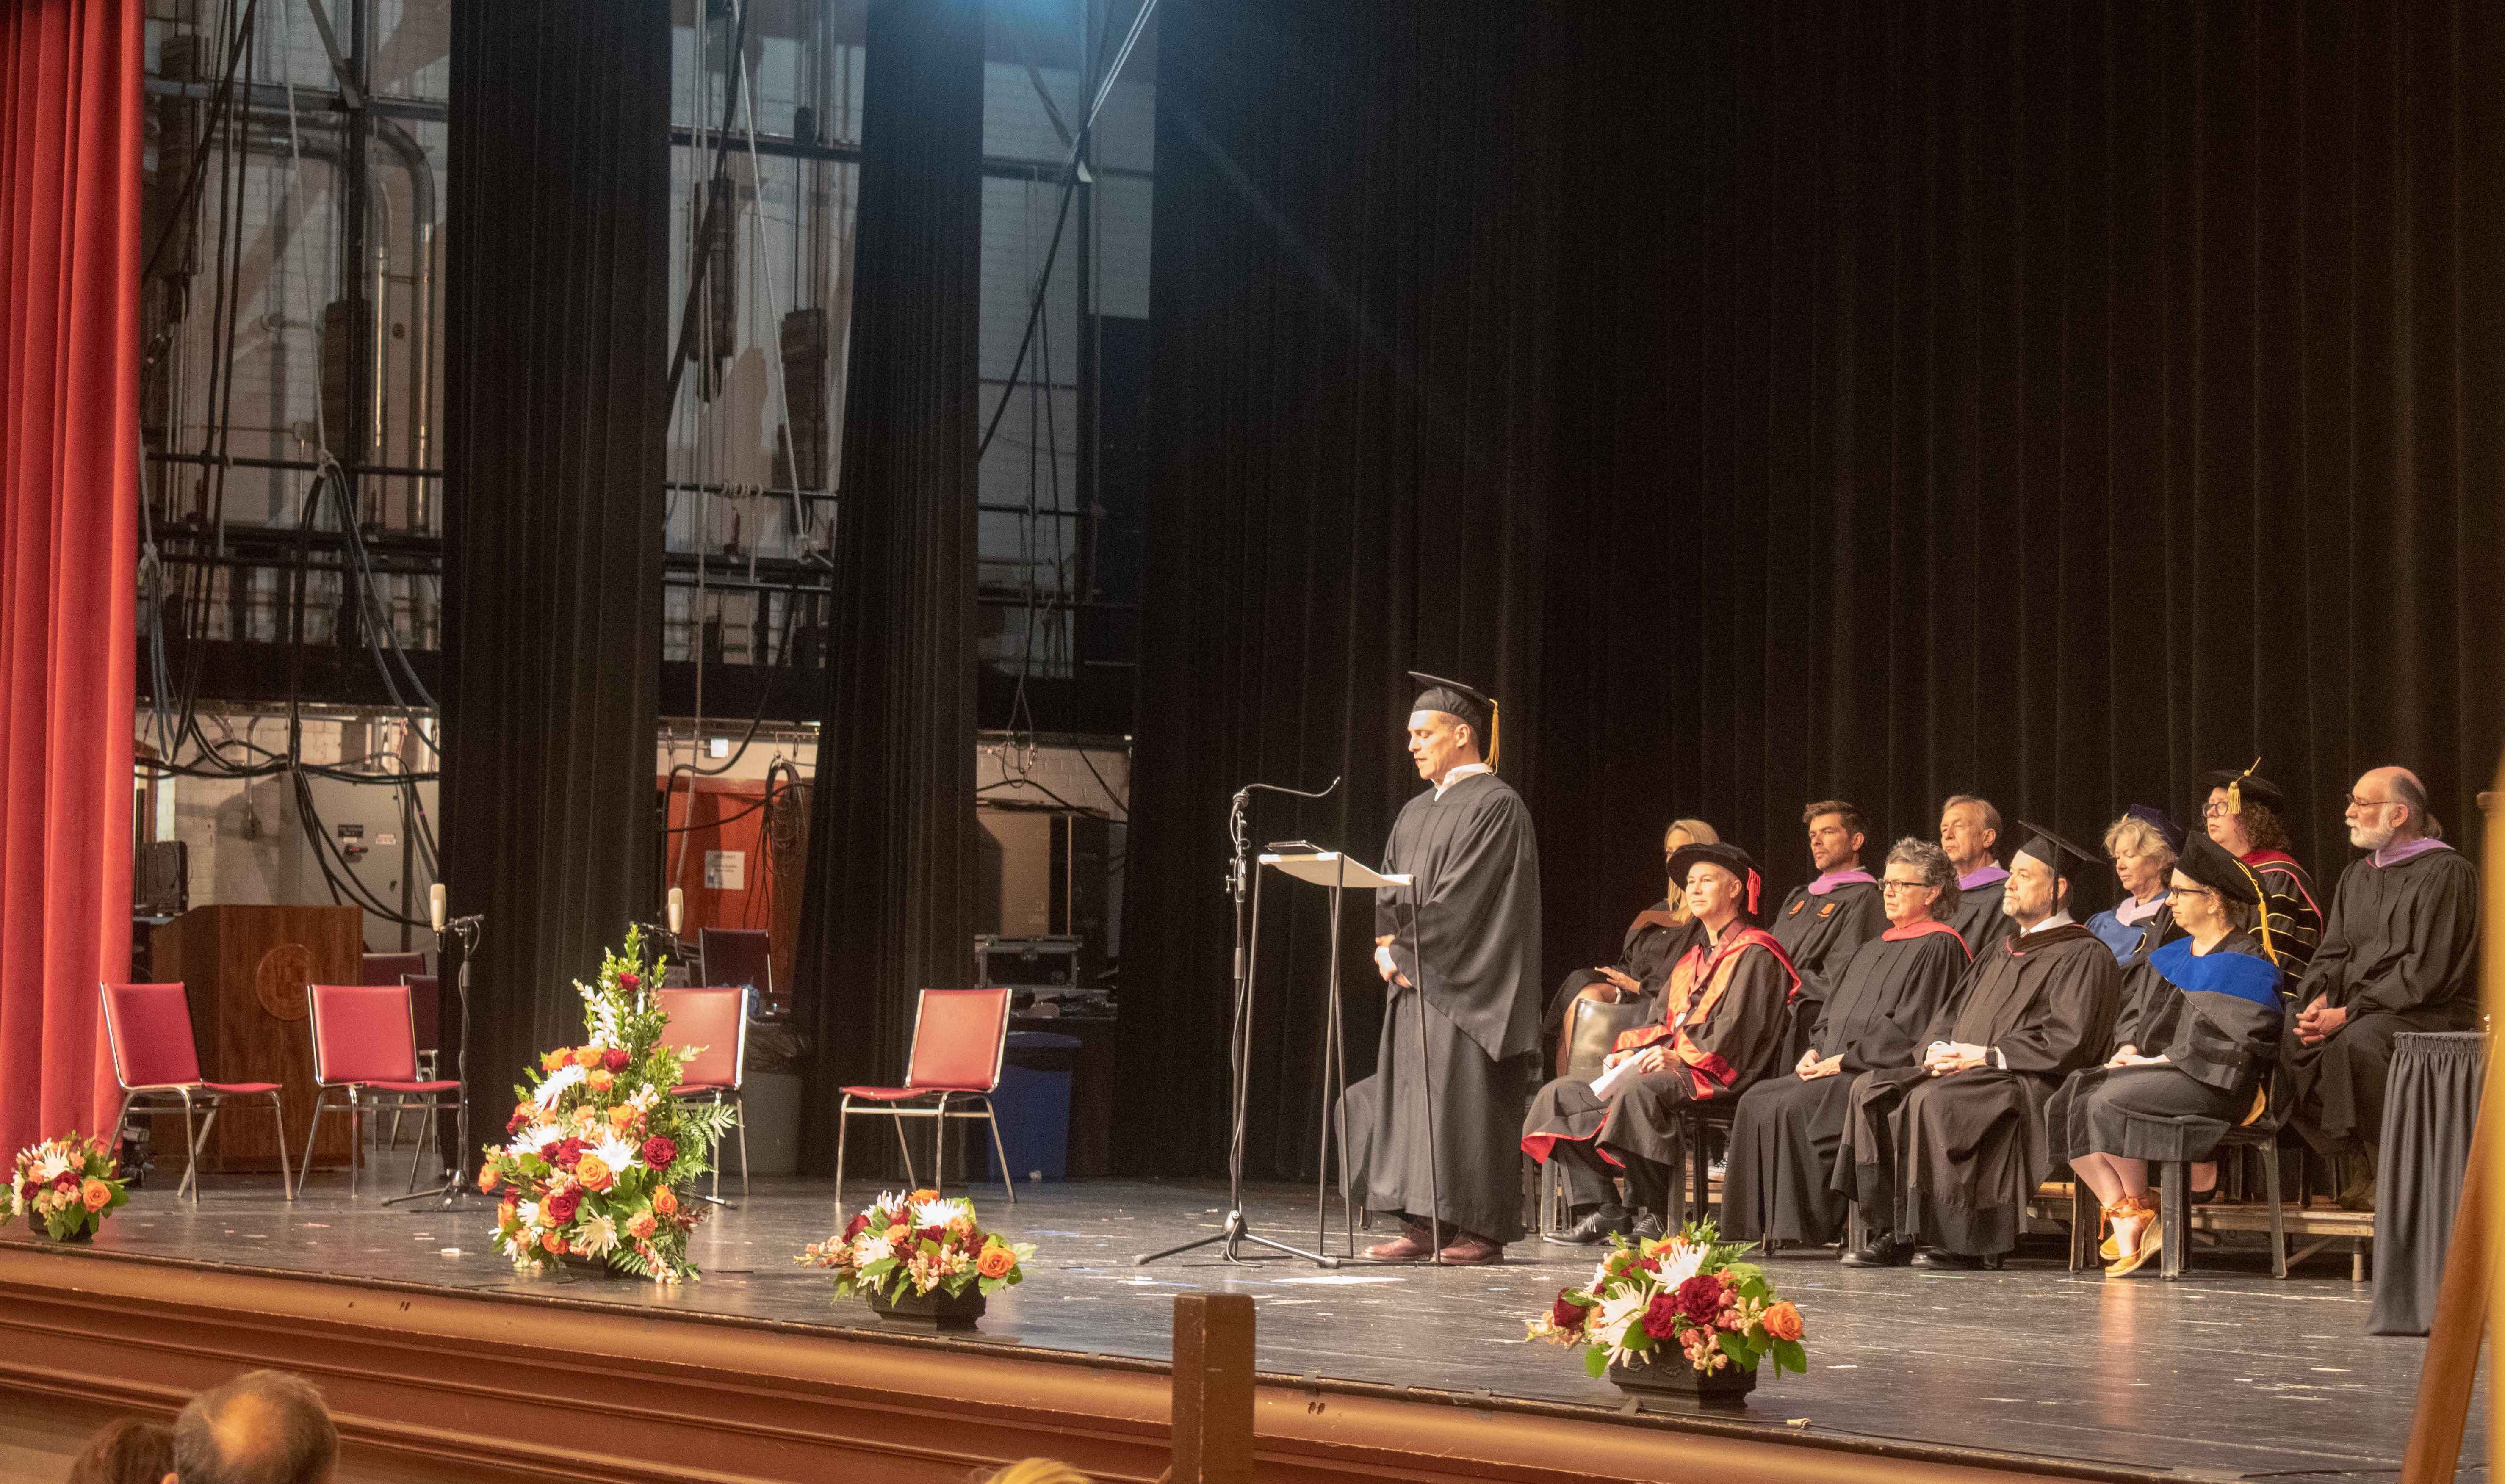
[1350,404]
[888,906]
[555,343]
[2049,402]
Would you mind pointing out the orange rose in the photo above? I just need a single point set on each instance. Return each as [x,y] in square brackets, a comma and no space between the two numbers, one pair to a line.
[996,1262]
[665,1201]
[555,1242]
[593,1172]
[526,1110]
[642,1227]
[919,1196]
[95,1194]
[1782,1322]
[487,1178]
[899,1232]
[600,1080]
[622,1116]
[553,1060]
[587,1057]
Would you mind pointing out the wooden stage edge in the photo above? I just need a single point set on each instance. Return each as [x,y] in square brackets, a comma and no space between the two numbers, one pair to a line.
[439,1381]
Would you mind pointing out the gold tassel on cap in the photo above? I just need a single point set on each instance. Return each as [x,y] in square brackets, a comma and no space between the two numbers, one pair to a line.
[2235,790]
[1495,731]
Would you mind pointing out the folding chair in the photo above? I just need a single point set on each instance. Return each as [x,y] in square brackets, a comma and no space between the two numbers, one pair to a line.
[714,1020]
[154,1058]
[736,956]
[960,1037]
[365,1044]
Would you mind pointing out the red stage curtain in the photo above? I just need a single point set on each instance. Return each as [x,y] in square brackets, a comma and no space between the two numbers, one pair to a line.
[69,438]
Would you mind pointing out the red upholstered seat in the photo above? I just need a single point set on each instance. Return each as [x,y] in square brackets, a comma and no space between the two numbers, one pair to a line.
[411,1087]
[710,1021]
[959,1039]
[898,1094]
[149,1029]
[365,1043]
[241,1089]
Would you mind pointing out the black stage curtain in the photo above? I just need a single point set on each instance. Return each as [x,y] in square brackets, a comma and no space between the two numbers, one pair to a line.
[556,344]
[888,907]
[2049,402]
[1350,408]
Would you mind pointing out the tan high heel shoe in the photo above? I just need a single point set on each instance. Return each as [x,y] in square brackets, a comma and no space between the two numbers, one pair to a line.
[2152,1236]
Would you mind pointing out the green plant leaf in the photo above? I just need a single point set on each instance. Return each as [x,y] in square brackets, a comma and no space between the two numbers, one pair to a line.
[1596,1360]
[1789,1356]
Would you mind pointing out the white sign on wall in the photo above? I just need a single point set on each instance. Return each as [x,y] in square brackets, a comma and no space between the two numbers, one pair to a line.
[726,871]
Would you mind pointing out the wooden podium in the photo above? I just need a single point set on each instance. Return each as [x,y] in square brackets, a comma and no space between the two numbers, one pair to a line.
[244,969]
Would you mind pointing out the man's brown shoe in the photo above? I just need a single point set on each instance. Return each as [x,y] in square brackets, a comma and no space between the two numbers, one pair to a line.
[1413,1245]
[1469,1250]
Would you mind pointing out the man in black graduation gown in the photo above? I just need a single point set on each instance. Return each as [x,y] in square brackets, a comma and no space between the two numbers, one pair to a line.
[1948,1152]
[1458,950]
[1970,830]
[2397,954]
[1822,925]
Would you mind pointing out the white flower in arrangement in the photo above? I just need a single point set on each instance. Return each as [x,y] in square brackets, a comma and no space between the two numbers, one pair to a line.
[1610,1321]
[529,1140]
[941,1210]
[617,1153]
[600,1014]
[594,1235]
[645,1099]
[870,1250]
[1679,1263]
[527,1216]
[556,1083]
[52,1166]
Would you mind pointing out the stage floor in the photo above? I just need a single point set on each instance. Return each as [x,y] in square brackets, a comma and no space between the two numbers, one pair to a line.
[2228,1373]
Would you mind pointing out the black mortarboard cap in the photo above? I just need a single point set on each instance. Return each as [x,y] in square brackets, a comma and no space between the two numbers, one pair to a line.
[2050,848]
[1729,856]
[2159,821]
[2208,862]
[1463,703]
[2243,783]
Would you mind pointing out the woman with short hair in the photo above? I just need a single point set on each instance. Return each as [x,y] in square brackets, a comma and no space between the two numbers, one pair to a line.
[2243,813]
[1657,939]
[2142,845]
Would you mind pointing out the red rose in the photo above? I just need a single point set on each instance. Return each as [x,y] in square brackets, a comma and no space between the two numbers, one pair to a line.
[628,981]
[1565,1314]
[562,1206]
[569,1154]
[1661,1316]
[65,1180]
[857,1225]
[661,1151]
[1699,1298]
[615,1058]
[938,1234]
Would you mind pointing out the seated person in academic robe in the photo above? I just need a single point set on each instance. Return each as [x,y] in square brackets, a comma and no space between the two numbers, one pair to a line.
[2142,845]
[1722,1028]
[2242,813]
[1970,830]
[1785,1129]
[2396,955]
[1458,950]
[1822,925]
[2198,1031]
[1657,939]
[1946,1153]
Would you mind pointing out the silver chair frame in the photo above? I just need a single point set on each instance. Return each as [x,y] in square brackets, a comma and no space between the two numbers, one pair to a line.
[732,1093]
[939,1113]
[194,1140]
[402,1101]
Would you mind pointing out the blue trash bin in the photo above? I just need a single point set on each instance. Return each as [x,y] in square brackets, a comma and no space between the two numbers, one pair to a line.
[1033,1104]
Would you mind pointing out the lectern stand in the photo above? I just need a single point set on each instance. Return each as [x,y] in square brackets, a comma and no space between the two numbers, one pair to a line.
[1334,870]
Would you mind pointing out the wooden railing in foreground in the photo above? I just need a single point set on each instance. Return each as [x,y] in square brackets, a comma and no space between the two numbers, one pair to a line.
[2475,1264]
[448,1384]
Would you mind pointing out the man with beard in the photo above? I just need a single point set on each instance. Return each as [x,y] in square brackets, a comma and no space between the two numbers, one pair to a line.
[2396,955]
[1822,925]
[1946,1153]
[1722,1028]
[1969,829]
[1459,948]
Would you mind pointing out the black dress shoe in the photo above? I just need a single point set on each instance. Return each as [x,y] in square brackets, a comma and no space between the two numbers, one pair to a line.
[1648,1227]
[1881,1253]
[1935,1257]
[1594,1230]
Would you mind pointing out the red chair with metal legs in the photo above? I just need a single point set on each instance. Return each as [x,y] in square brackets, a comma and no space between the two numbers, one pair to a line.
[715,1021]
[150,1029]
[365,1044]
[960,1037]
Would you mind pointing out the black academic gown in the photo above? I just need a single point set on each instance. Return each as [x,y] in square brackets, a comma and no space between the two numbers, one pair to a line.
[1468,934]
[1979,920]
[1778,1180]
[1821,934]
[1646,955]
[2217,1046]
[1950,1161]
[2399,952]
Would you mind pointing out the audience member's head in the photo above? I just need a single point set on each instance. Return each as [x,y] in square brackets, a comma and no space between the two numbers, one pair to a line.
[1030,1471]
[1969,827]
[129,1450]
[1837,831]
[265,1427]
[2390,804]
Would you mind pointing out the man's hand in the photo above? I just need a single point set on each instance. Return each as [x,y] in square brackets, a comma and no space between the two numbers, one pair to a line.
[2321,1022]
[1807,1064]
[1383,964]
[1956,1056]
[1653,1059]
[1818,1069]
[2125,1057]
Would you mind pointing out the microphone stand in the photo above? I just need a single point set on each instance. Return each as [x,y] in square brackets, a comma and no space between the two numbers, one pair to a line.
[1248,942]
[456,1170]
